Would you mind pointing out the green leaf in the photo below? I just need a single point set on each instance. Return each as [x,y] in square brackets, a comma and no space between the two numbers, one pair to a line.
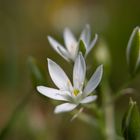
[37,74]
[133,51]
[82,47]
[131,122]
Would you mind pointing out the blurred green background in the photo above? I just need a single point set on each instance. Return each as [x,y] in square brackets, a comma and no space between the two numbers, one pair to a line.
[24,25]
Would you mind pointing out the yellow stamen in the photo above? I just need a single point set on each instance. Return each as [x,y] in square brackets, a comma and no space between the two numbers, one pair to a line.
[76,92]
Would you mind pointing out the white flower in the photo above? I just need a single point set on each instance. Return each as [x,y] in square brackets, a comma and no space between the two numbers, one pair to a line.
[73,95]
[71,50]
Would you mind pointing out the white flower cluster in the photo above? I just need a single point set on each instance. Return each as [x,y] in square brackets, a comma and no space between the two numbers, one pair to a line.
[76,93]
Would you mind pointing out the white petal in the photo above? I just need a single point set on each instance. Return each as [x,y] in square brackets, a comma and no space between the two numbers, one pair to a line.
[54,43]
[94,80]
[88,99]
[57,46]
[58,76]
[92,44]
[66,107]
[64,53]
[85,35]
[52,93]
[70,42]
[79,72]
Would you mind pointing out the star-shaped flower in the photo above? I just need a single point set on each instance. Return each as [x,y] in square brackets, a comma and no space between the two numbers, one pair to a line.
[74,95]
[71,49]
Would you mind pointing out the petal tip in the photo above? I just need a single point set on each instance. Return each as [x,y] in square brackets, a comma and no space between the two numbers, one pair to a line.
[66,29]
[87,26]
[49,38]
[50,62]
[39,88]
[96,36]
[48,59]
[101,67]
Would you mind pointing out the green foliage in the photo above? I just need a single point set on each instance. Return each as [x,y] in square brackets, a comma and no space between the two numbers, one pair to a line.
[82,47]
[131,122]
[38,76]
[133,51]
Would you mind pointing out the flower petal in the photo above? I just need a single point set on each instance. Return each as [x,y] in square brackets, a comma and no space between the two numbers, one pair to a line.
[88,99]
[70,42]
[85,35]
[92,44]
[52,93]
[57,46]
[79,72]
[94,81]
[58,76]
[66,107]
[64,53]
[54,43]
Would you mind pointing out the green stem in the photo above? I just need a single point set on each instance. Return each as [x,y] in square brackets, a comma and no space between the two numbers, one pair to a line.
[119,93]
[14,116]
[108,112]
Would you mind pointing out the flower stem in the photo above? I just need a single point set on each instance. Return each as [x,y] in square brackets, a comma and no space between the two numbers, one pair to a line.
[108,108]
[16,113]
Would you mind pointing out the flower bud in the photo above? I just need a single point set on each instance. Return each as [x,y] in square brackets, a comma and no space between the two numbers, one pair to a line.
[133,51]
[102,55]
[131,122]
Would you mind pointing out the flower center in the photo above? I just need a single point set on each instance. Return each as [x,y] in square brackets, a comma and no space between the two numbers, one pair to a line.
[76,92]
